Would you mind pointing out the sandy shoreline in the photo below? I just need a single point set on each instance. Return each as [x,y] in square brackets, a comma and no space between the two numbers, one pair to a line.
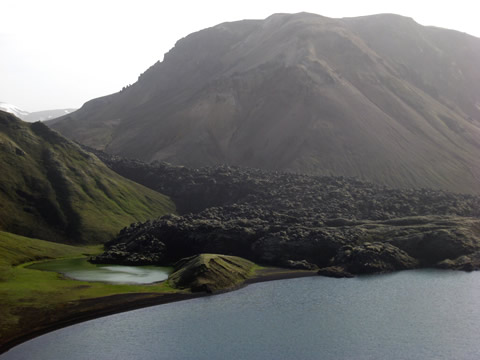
[94,308]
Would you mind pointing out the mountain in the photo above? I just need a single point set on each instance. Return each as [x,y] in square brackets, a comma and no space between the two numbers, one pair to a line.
[378,97]
[52,189]
[36,115]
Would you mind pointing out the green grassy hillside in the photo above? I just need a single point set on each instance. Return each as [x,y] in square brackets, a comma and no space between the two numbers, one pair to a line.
[52,189]
[32,300]
[16,250]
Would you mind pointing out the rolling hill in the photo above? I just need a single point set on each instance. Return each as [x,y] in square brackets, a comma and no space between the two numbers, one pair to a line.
[52,189]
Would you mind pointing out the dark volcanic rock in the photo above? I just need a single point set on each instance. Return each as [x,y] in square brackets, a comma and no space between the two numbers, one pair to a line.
[337,201]
[373,258]
[469,262]
[145,250]
[284,219]
[435,245]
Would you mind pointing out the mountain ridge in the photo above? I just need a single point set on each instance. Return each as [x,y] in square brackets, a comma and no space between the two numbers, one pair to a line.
[34,116]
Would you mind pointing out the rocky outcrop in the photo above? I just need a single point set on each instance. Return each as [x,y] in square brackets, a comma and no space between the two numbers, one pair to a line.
[373,258]
[436,244]
[210,272]
[468,262]
[146,250]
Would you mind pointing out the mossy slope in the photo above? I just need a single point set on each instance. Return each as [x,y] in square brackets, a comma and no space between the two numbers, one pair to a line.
[210,272]
[51,189]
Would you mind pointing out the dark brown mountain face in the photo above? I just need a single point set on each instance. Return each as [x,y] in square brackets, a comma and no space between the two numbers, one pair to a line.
[378,97]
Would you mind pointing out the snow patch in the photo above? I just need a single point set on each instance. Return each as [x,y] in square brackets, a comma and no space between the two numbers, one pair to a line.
[12,109]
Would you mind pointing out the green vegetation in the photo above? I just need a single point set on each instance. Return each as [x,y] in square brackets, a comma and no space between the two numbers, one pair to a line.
[52,189]
[84,270]
[16,250]
[32,299]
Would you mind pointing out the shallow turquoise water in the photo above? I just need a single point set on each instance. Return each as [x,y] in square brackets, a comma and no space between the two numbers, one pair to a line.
[425,314]
[81,269]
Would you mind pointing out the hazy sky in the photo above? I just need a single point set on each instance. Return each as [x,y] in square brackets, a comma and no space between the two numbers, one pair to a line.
[62,53]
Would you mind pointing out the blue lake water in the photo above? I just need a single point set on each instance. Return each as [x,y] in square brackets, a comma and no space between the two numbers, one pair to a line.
[422,314]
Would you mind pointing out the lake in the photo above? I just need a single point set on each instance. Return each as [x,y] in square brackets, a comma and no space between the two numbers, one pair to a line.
[421,314]
[81,269]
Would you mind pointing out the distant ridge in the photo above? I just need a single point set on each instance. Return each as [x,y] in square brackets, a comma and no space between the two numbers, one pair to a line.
[378,97]
[36,115]
[12,109]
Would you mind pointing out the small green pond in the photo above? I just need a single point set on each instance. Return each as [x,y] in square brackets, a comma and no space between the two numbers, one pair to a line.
[81,269]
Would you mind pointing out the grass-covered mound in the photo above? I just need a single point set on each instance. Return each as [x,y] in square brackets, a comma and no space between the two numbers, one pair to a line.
[52,189]
[210,272]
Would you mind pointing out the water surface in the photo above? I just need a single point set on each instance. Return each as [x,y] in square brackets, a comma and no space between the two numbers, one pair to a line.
[81,269]
[424,314]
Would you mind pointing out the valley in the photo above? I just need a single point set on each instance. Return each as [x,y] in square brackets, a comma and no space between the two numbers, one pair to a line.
[297,146]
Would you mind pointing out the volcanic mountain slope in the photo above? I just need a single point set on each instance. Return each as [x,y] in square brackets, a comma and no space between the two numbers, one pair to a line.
[378,97]
[51,189]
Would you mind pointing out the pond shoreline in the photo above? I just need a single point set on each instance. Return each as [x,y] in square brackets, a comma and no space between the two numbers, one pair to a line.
[81,269]
[89,309]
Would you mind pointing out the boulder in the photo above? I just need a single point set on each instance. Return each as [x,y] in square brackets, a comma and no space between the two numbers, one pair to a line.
[465,262]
